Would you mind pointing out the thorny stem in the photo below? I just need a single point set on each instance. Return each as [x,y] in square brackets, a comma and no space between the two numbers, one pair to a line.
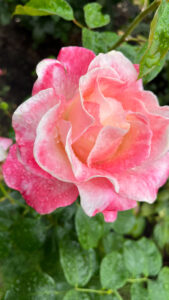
[136,21]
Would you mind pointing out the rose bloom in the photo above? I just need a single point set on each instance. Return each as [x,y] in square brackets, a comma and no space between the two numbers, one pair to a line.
[89,129]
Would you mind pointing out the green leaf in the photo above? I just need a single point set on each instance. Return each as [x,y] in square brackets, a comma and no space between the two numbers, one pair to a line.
[74,295]
[32,286]
[125,222]
[28,234]
[159,289]
[139,292]
[5,244]
[142,257]
[45,7]
[129,51]
[161,233]
[98,41]
[113,242]
[89,230]
[158,44]
[156,70]
[139,227]
[93,16]
[77,264]
[113,273]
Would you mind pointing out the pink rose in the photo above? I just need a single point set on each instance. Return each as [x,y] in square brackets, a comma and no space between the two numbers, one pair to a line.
[89,129]
[5,143]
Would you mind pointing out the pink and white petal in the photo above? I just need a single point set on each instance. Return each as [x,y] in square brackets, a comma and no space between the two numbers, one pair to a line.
[142,183]
[49,150]
[151,103]
[78,117]
[76,61]
[81,171]
[119,203]
[98,195]
[5,143]
[3,154]
[25,121]
[110,110]
[88,83]
[44,195]
[117,61]
[63,74]
[157,116]
[51,74]
[110,216]
[108,141]
[84,144]
[134,149]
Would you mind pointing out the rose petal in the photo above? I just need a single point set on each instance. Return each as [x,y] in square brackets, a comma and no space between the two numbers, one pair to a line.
[133,150]
[142,183]
[51,74]
[25,121]
[76,61]
[78,117]
[5,143]
[98,195]
[108,141]
[44,195]
[146,103]
[84,144]
[63,74]
[117,61]
[110,111]
[49,149]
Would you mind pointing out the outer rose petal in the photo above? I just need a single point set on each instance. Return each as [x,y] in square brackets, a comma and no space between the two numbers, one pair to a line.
[44,195]
[98,195]
[25,121]
[76,61]
[63,74]
[142,183]
[5,143]
[51,74]
[49,150]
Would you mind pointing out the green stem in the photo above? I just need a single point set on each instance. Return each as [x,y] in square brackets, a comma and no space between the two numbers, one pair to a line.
[132,280]
[118,295]
[5,193]
[136,21]
[102,292]
[2,199]
[8,196]
[78,24]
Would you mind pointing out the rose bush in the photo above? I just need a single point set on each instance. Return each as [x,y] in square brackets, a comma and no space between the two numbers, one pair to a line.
[89,129]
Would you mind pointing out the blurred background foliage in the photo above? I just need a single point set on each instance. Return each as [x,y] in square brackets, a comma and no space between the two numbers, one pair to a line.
[67,255]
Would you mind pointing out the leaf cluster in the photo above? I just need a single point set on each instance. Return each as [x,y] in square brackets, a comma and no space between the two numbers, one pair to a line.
[67,255]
